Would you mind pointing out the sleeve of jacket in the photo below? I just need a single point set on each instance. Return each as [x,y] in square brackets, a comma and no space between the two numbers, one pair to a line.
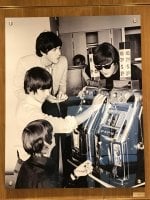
[63,82]
[62,125]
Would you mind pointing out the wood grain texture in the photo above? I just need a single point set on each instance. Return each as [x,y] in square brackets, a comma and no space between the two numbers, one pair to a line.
[66,3]
[38,8]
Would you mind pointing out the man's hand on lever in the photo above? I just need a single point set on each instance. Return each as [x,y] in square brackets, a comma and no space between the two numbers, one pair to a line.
[82,170]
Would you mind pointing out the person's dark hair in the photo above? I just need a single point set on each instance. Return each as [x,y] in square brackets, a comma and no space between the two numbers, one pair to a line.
[34,135]
[37,78]
[78,60]
[47,41]
[105,53]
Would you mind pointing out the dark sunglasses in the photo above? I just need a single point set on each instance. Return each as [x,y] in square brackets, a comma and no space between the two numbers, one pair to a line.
[106,66]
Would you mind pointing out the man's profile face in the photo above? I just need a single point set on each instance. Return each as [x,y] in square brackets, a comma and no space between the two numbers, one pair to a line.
[54,54]
[46,151]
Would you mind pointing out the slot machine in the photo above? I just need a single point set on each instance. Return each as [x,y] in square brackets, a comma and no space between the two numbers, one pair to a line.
[114,135]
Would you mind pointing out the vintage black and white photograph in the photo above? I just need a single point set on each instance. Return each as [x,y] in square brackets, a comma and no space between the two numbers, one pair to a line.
[73,102]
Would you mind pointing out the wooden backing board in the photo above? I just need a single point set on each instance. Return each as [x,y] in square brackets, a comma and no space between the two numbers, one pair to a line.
[40,8]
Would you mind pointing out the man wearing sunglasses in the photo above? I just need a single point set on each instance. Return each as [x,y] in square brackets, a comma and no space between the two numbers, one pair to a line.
[106,59]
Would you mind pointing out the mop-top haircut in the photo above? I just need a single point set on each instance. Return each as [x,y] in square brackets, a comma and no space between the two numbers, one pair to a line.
[34,135]
[47,41]
[37,78]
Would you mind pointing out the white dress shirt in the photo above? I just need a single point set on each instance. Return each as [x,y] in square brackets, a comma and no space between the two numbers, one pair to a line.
[30,109]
